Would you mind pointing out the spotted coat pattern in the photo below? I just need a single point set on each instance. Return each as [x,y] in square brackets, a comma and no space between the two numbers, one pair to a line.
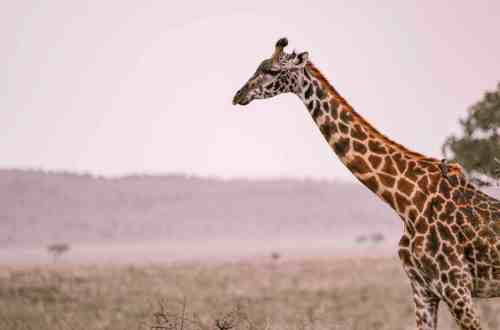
[450,247]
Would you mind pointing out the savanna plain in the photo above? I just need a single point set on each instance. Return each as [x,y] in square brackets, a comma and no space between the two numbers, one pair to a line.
[256,293]
[280,255]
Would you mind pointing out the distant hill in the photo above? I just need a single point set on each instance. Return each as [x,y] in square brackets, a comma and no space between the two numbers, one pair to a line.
[37,208]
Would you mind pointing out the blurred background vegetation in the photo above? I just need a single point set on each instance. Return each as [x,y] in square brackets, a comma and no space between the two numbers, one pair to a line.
[477,148]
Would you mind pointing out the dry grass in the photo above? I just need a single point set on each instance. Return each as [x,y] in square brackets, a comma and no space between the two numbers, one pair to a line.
[275,294]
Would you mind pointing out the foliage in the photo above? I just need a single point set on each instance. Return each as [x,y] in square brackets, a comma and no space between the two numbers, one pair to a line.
[57,249]
[478,149]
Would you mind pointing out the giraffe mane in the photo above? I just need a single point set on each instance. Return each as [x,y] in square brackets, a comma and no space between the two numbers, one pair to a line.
[318,75]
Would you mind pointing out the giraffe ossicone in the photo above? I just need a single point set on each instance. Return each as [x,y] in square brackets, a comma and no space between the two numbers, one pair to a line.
[450,246]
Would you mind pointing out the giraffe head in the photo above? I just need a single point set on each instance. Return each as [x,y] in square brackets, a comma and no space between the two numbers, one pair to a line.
[276,75]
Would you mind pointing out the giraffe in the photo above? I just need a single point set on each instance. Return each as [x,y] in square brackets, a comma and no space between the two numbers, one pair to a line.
[450,245]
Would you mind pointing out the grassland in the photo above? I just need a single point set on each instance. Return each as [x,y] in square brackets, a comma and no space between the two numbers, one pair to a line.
[313,293]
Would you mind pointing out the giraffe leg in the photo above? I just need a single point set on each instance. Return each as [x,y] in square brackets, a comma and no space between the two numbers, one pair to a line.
[426,307]
[426,302]
[459,301]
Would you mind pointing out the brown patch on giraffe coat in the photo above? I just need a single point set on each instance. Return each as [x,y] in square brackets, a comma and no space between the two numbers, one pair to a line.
[483,271]
[341,147]
[371,183]
[375,161]
[432,241]
[386,180]
[448,291]
[376,147]
[445,217]
[444,189]
[404,241]
[402,202]
[481,249]
[419,200]
[496,226]
[434,181]
[429,165]
[409,228]
[442,262]
[400,163]
[417,245]
[358,165]
[454,277]
[459,218]
[471,216]
[308,92]
[468,194]
[343,128]
[326,107]
[389,166]
[346,116]
[358,133]
[445,233]
[317,112]
[460,236]
[326,130]
[320,93]
[333,127]
[429,212]
[413,172]
[483,214]
[334,108]
[414,275]
[478,199]
[397,156]
[412,214]
[387,196]
[450,207]
[486,233]
[310,106]
[468,232]
[438,202]
[359,147]
[483,205]
[423,184]
[421,225]
[453,179]
[451,254]
[405,186]
[429,267]
[405,257]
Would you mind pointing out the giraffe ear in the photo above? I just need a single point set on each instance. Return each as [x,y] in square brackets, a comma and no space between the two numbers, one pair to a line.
[302,59]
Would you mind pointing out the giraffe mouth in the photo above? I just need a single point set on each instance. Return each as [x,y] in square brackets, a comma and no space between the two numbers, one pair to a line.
[243,102]
[238,100]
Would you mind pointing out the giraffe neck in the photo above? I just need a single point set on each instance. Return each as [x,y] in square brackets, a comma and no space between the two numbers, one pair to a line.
[384,166]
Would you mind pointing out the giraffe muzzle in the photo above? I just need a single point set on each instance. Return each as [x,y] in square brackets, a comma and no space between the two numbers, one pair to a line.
[241,96]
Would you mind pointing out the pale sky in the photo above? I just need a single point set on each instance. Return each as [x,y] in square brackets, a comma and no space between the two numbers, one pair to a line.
[117,87]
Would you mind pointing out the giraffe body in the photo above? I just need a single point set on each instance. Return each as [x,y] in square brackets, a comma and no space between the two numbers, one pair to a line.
[450,247]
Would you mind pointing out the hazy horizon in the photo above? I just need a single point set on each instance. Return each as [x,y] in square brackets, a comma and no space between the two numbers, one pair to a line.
[120,88]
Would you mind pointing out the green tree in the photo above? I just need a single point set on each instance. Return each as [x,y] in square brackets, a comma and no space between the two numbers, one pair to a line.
[478,147]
